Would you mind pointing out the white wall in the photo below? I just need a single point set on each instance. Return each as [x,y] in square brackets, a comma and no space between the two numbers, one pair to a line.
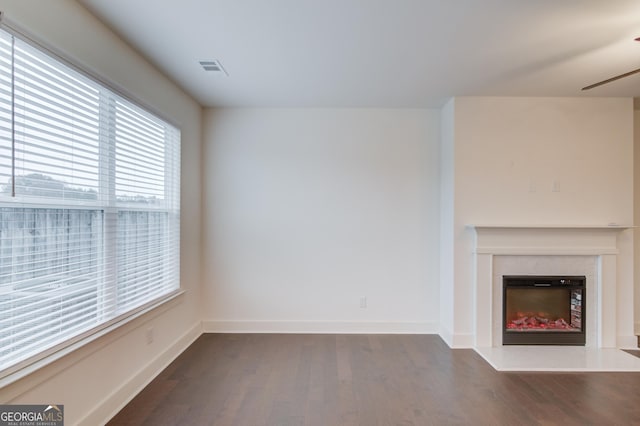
[508,154]
[309,210]
[505,145]
[96,380]
[447,215]
[636,212]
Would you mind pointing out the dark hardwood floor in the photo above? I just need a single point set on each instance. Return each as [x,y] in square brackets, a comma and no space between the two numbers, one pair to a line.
[262,379]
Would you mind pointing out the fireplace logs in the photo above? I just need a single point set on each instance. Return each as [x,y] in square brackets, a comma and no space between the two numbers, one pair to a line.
[535,322]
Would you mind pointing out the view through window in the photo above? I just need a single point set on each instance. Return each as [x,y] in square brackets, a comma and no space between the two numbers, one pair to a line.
[89,204]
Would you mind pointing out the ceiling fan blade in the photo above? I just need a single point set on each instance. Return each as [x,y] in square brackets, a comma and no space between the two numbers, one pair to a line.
[609,80]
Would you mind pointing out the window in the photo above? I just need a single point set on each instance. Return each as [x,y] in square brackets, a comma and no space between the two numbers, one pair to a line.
[89,205]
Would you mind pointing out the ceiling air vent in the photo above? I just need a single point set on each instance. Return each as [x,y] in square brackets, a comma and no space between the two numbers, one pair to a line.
[213,66]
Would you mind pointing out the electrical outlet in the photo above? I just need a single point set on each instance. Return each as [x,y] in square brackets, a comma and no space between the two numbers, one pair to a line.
[363,302]
[149,335]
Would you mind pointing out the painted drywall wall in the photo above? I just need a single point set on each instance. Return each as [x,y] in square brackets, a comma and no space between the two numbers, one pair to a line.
[447,214]
[636,213]
[309,211]
[540,161]
[96,380]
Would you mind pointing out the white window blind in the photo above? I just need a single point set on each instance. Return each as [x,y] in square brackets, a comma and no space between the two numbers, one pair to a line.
[147,200]
[89,205]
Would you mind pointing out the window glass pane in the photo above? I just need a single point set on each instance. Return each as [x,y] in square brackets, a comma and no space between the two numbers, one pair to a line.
[5,115]
[56,129]
[140,156]
[49,277]
[142,272]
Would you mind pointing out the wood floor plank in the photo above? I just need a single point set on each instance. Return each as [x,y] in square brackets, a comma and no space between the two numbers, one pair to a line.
[320,380]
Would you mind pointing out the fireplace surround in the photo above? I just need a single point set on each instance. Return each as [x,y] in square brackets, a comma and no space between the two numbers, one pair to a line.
[591,251]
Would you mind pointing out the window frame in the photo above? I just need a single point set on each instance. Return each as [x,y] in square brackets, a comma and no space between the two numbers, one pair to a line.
[110,210]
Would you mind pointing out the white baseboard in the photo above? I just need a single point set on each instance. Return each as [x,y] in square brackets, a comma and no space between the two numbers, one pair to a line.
[457,341]
[463,341]
[111,405]
[627,342]
[446,335]
[320,327]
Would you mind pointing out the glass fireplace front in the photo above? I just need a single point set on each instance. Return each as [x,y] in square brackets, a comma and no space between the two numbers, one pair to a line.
[543,310]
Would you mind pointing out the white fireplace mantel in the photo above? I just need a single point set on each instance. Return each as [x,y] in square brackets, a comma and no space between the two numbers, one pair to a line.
[550,226]
[600,241]
[547,239]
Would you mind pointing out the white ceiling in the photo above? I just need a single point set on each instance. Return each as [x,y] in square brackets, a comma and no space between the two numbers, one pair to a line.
[382,53]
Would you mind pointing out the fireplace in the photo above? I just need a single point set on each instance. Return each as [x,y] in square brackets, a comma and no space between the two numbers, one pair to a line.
[603,254]
[543,310]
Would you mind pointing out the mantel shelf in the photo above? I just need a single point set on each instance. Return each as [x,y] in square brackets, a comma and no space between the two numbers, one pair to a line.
[552,226]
